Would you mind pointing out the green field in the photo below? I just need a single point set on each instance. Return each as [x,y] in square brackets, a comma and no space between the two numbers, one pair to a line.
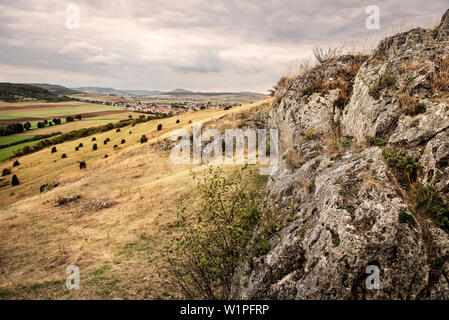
[8,152]
[14,138]
[53,112]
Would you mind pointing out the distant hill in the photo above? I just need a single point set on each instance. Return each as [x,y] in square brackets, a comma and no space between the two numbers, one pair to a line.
[182,92]
[175,92]
[55,89]
[13,92]
[101,90]
[147,93]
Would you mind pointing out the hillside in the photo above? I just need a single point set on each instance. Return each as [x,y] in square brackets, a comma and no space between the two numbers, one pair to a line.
[55,89]
[115,231]
[12,92]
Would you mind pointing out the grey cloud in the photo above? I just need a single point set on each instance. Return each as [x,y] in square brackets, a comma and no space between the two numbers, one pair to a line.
[232,44]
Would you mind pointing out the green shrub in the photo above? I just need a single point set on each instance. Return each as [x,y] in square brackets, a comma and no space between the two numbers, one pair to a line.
[123,141]
[115,146]
[80,145]
[94,147]
[405,217]
[159,127]
[63,156]
[430,203]
[15,181]
[83,165]
[77,148]
[379,142]
[406,167]
[16,163]
[143,139]
[214,240]
[94,139]
[105,142]
[177,121]
[105,155]
[53,150]
[5,172]
[118,130]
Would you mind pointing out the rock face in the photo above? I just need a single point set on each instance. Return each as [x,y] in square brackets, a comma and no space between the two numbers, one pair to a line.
[343,209]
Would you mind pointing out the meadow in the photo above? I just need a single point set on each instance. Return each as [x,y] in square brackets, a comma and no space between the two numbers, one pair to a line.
[121,215]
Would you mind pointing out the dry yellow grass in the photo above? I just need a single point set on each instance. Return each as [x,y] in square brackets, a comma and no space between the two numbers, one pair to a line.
[116,248]
[441,78]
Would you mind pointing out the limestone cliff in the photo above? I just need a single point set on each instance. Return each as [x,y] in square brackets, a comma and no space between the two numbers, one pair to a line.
[359,137]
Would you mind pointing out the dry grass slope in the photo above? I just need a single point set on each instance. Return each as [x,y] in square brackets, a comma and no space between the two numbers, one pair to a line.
[114,217]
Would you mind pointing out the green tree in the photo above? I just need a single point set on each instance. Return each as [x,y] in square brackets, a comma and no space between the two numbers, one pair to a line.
[15,180]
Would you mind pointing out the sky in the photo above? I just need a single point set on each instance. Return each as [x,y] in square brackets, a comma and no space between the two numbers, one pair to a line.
[208,45]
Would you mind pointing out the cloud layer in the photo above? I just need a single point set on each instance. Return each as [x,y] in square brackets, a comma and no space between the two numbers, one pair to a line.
[199,45]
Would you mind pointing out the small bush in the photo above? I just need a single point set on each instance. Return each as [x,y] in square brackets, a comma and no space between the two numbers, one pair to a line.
[410,105]
[53,150]
[83,165]
[105,142]
[118,130]
[115,146]
[94,139]
[130,132]
[430,203]
[440,81]
[63,156]
[105,155]
[143,139]
[379,142]
[16,163]
[159,127]
[310,134]
[47,187]
[405,217]
[15,181]
[215,240]
[177,121]
[386,80]
[80,145]
[5,172]
[406,167]
[123,141]
[94,147]
[323,55]
[77,148]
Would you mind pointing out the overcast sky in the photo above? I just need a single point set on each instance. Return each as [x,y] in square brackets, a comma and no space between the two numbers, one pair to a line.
[209,45]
